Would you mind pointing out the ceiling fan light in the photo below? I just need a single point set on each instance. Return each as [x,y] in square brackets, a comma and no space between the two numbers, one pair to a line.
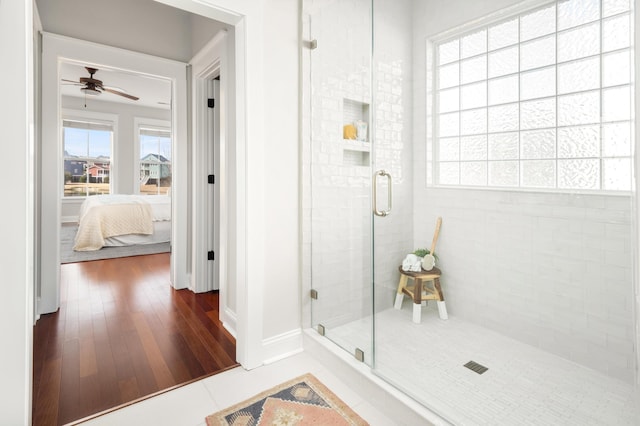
[89,91]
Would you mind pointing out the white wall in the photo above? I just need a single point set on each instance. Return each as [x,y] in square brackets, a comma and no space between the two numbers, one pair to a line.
[16,177]
[552,270]
[125,157]
[281,177]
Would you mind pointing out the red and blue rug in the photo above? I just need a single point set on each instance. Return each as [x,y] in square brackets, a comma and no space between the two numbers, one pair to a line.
[301,401]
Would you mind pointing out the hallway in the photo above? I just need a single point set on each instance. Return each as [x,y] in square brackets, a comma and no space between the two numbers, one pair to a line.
[122,333]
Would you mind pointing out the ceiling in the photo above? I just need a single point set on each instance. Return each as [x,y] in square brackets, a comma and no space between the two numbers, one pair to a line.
[153,92]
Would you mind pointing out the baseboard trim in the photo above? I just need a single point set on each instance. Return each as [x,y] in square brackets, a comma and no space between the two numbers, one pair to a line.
[281,346]
[228,318]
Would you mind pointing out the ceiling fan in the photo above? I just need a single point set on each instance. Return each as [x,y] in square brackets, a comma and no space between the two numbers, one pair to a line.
[94,87]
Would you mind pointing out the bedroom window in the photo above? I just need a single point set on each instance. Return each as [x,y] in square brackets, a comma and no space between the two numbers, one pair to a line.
[540,100]
[87,157]
[155,160]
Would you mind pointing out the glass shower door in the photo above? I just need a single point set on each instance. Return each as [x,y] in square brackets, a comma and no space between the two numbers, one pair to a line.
[338,42]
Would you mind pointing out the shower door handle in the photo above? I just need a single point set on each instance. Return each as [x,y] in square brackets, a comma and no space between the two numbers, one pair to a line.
[377,212]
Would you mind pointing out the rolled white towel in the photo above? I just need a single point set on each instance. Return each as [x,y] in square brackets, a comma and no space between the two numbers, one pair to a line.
[412,263]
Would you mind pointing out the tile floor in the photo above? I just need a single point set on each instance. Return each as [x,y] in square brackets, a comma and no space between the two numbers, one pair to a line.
[523,386]
[189,405]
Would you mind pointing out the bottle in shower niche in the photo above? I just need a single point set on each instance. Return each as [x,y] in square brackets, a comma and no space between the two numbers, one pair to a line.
[361,130]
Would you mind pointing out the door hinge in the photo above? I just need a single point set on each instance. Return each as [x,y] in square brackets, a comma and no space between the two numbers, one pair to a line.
[314,294]
[211,103]
[211,179]
[211,255]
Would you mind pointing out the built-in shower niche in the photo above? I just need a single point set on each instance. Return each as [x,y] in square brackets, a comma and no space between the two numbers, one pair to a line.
[355,152]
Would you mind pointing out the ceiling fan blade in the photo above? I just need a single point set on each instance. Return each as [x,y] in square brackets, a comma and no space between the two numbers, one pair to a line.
[117,92]
[71,81]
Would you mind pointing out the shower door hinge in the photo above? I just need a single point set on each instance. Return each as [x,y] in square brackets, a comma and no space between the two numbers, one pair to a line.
[359,355]
[211,179]
[314,294]
[211,255]
[321,329]
[211,103]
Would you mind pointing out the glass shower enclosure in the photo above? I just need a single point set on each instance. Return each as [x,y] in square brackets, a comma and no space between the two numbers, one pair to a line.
[514,123]
[340,114]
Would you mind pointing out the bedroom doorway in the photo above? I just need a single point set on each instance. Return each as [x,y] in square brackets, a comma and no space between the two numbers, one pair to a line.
[116,143]
[117,140]
[88,88]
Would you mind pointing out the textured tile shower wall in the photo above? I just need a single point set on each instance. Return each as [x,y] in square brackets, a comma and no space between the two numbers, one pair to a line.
[551,270]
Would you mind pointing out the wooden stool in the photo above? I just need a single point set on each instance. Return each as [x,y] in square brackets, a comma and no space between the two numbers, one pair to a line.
[420,292]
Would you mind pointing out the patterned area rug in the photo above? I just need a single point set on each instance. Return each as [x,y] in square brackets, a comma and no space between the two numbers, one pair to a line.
[301,401]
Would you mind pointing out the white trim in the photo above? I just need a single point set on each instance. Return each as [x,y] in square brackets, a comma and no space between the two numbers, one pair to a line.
[635,104]
[227,11]
[282,346]
[17,110]
[209,62]
[228,318]
[246,105]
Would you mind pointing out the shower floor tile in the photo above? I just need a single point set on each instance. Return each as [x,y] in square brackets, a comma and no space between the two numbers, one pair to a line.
[522,386]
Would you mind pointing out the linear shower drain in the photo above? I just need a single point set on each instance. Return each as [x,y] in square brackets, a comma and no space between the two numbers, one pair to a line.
[474,366]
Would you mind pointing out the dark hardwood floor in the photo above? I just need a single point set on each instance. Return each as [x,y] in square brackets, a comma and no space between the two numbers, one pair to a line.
[122,333]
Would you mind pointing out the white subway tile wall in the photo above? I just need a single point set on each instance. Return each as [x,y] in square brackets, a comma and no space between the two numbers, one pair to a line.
[551,270]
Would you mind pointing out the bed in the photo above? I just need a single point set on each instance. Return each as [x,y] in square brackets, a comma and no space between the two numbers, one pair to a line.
[123,220]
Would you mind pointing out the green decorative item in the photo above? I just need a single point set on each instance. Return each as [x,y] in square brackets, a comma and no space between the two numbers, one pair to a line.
[422,252]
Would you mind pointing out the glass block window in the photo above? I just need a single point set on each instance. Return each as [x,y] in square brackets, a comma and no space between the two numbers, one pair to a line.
[540,100]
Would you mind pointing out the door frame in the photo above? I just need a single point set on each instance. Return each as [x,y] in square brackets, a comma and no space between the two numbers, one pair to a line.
[211,62]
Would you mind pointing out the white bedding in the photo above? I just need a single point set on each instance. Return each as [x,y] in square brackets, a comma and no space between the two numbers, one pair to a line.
[161,234]
[160,204]
[119,219]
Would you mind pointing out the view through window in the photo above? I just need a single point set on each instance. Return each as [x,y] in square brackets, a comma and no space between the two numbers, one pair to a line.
[155,160]
[539,100]
[87,158]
